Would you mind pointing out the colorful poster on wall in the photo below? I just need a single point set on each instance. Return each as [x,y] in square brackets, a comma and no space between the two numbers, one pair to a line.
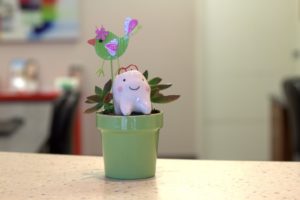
[38,20]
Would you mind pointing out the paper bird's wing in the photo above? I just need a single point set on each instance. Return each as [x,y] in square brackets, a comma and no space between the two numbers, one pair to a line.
[112,47]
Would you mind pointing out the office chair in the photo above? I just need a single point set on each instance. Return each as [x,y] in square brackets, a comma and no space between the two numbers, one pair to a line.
[56,120]
[60,141]
[291,88]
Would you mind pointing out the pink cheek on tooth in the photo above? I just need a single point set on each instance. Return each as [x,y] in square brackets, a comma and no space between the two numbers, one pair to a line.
[147,89]
[120,89]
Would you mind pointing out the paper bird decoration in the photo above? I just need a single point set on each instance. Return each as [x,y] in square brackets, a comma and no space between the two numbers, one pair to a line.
[109,46]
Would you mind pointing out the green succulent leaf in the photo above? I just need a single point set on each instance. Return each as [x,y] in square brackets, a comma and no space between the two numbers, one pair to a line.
[98,91]
[102,98]
[154,93]
[164,99]
[107,87]
[155,81]
[94,108]
[146,74]
[108,98]
[109,107]
[89,101]
[94,98]
[161,86]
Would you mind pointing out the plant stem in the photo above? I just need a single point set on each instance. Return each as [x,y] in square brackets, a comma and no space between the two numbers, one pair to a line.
[118,63]
[112,76]
[111,70]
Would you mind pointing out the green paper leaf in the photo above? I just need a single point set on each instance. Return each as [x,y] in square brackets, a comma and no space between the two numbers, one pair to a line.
[164,99]
[94,108]
[146,74]
[155,81]
[107,87]
[98,91]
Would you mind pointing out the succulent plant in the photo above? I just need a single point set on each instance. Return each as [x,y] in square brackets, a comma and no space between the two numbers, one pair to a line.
[103,98]
[156,95]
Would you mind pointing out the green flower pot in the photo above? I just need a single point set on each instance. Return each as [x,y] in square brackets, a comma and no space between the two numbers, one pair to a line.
[129,144]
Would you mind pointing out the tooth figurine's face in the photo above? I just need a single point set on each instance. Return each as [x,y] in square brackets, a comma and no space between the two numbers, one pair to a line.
[132,83]
[131,93]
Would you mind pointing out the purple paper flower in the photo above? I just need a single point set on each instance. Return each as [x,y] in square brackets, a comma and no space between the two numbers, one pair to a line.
[101,33]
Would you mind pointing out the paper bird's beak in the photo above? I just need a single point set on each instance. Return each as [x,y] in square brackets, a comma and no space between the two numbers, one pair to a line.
[92,41]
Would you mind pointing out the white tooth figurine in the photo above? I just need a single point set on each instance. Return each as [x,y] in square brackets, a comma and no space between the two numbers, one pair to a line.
[131,93]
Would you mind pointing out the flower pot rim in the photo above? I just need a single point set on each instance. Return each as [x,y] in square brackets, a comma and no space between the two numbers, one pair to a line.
[129,116]
[131,122]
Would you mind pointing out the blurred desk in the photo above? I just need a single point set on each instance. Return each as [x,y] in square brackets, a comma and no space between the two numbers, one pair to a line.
[36,112]
[36,176]
[281,130]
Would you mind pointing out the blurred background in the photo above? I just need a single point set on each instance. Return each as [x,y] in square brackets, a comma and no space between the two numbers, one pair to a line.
[234,63]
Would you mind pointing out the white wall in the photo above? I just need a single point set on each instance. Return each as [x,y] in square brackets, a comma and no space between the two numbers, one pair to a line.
[199,59]
[248,49]
[164,46]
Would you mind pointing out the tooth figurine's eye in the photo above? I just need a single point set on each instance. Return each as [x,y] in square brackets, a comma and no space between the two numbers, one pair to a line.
[124,80]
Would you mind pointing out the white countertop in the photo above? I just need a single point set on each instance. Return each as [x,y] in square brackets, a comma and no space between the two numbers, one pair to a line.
[42,176]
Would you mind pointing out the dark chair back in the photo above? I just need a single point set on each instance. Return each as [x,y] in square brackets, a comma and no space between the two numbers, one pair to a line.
[292,91]
[64,113]
[57,110]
